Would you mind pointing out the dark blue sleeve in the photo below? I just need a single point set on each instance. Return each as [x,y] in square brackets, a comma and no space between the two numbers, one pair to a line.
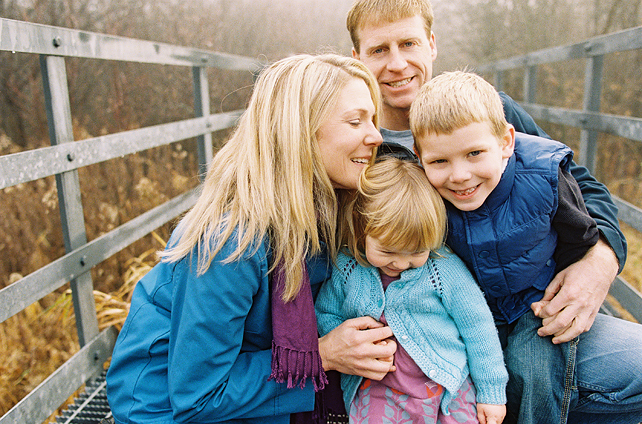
[596,196]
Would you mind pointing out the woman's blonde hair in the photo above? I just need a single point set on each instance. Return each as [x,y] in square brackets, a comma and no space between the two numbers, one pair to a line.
[396,204]
[454,100]
[364,12]
[269,178]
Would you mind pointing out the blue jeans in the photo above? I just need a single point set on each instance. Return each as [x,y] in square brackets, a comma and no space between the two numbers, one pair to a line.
[596,378]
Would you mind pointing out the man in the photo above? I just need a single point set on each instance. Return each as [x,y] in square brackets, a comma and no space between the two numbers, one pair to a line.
[393,38]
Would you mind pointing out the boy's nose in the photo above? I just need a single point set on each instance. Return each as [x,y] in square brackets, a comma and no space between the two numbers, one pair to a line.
[459,174]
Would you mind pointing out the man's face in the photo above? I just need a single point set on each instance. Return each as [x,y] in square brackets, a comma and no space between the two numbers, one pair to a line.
[400,55]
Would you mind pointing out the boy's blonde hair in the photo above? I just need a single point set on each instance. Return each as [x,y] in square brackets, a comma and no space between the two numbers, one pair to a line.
[454,100]
[364,12]
[269,179]
[396,204]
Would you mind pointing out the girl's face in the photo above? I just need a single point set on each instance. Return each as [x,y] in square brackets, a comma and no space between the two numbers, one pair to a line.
[390,261]
[348,136]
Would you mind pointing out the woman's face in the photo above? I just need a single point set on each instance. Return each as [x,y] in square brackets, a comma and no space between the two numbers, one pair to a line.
[348,136]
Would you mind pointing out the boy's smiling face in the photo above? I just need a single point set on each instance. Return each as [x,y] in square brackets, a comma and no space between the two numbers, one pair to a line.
[466,165]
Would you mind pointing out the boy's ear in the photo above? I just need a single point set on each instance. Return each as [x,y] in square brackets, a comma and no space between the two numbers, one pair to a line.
[508,142]
[355,55]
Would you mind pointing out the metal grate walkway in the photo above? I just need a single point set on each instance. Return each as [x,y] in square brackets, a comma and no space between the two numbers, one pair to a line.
[90,407]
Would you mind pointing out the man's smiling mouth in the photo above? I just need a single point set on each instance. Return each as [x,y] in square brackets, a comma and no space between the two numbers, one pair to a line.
[397,84]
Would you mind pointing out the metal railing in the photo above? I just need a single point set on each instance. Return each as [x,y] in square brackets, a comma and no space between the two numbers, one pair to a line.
[66,156]
[589,119]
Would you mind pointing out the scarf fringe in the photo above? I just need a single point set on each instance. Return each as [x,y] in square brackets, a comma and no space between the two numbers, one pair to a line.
[296,367]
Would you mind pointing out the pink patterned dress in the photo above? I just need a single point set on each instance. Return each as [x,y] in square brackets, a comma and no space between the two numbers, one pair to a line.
[409,396]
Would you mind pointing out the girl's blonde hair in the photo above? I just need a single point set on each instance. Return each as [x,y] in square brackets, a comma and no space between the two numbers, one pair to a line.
[396,204]
[269,178]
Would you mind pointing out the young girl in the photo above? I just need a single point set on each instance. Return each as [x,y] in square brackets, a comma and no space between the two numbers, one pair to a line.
[394,267]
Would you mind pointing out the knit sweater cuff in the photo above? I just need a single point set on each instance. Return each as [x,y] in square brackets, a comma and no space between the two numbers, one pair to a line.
[492,394]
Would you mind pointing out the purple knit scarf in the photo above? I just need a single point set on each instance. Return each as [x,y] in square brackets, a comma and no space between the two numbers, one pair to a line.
[295,349]
[295,344]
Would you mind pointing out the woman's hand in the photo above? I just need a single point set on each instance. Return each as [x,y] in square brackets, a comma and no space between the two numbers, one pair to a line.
[359,346]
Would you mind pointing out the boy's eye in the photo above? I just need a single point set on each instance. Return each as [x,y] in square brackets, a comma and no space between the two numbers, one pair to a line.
[475,153]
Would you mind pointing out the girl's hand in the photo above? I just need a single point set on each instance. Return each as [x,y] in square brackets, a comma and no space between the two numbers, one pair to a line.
[359,346]
[490,414]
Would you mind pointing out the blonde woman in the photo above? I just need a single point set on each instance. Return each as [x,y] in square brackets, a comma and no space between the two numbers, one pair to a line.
[395,269]
[223,329]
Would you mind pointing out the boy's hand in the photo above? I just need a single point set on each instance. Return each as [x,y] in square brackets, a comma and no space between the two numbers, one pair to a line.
[490,414]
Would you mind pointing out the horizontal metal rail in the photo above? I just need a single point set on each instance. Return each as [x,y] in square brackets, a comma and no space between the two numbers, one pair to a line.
[34,164]
[629,39]
[26,37]
[622,126]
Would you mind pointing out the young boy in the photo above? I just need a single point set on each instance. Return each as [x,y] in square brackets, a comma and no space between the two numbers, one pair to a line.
[515,213]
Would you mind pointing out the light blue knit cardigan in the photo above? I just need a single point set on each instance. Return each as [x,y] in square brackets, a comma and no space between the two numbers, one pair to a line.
[436,312]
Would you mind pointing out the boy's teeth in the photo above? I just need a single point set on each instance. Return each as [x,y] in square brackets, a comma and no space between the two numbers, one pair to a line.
[465,192]
[399,83]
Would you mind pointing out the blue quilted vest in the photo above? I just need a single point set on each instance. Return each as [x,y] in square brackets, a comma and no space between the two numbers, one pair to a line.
[508,242]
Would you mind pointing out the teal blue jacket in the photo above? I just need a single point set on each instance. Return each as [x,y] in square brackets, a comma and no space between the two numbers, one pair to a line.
[436,312]
[197,349]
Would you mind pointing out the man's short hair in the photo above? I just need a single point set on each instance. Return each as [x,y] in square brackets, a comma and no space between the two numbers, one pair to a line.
[364,12]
